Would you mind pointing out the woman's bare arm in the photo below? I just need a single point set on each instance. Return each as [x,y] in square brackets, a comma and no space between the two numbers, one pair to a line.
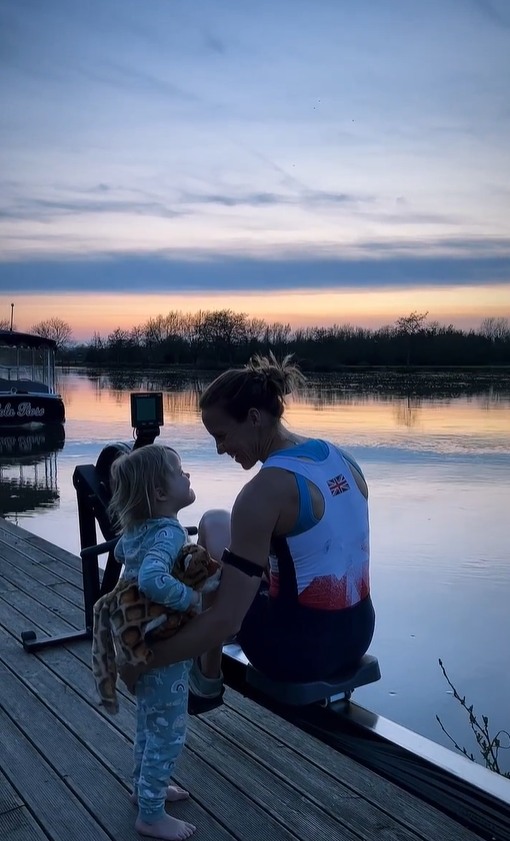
[211,627]
[254,515]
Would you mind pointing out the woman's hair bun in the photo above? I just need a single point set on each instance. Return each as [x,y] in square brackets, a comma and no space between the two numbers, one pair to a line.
[282,376]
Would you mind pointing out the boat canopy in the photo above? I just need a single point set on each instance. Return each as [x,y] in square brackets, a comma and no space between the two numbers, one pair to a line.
[30,340]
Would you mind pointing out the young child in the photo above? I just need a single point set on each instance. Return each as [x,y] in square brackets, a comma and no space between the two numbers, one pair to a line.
[149,488]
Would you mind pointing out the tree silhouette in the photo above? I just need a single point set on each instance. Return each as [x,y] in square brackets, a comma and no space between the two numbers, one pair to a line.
[54,328]
[495,328]
[410,326]
[215,339]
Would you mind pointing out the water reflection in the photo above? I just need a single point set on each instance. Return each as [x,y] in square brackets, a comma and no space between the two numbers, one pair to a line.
[493,387]
[463,414]
[403,384]
[333,388]
[407,412]
[28,469]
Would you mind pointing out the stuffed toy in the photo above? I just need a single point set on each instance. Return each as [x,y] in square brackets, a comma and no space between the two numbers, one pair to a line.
[125,622]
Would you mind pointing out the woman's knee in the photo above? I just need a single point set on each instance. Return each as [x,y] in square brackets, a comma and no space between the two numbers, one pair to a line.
[214,531]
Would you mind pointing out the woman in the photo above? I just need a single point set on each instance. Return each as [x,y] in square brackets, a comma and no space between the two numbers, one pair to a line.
[305,511]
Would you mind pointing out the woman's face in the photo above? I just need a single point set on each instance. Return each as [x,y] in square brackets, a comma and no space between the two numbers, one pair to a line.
[238,439]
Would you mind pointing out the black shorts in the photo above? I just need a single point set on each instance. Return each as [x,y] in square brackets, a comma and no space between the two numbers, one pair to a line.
[304,644]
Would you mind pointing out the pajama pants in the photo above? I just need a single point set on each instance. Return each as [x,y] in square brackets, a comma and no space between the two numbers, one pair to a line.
[161,701]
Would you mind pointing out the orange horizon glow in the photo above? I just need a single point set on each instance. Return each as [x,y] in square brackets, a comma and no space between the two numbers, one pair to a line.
[465,307]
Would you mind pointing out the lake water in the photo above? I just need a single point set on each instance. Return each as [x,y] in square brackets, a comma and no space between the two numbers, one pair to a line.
[436,454]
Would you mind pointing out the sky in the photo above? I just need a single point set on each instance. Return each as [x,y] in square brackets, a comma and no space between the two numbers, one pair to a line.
[305,161]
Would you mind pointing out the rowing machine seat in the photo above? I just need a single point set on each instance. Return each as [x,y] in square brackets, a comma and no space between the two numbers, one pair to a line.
[300,694]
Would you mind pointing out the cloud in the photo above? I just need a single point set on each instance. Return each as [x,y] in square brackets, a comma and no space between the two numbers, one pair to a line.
[374,267]
[135,80]
[497,14]
[259,199]
[42,210]
[105,198]
[63,200]
[214,44]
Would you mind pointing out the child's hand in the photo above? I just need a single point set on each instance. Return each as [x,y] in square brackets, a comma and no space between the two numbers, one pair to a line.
[210,584]
[196,601]
[129,675]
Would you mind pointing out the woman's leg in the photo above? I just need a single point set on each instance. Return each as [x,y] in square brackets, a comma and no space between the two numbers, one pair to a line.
[214,531]
[213,535]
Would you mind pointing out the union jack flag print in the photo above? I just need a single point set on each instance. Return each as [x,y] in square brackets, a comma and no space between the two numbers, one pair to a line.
[338,485]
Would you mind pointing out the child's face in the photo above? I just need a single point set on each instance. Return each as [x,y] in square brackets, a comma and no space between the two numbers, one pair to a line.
[177,492]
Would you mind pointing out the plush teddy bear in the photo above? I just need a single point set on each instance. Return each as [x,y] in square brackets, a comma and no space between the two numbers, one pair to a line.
[126,622]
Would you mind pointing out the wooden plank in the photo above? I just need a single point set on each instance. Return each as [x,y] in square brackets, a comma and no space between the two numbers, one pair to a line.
[288,805]
[71,665]
[58,810]
[75,671]
[246,820]
[96,733]
[16,822]
[39,553]
[192,769]
[10,544]
[46,575]
[5,586]
[19,825]
[36,615]
[391,800]
[109,744]
[46,588]
[9,800]
[54,654]
[72,660]
[294,776]
[78,673]
[92,795]
[110,737]
[42,549]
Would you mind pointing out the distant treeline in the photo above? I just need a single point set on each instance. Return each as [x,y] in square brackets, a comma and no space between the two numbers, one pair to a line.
[220,338]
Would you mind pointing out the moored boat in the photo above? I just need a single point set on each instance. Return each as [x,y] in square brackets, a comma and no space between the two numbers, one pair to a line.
[27,381]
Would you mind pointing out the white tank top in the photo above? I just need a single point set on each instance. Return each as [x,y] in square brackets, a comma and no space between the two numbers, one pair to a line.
[331,559]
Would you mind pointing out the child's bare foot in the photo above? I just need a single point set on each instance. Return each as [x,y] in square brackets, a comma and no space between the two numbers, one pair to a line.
[173,794]
[170,829]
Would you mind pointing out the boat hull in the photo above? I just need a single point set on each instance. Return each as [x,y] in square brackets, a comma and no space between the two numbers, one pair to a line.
[28,409]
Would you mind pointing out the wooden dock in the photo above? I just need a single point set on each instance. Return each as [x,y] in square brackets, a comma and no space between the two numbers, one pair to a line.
[65,766]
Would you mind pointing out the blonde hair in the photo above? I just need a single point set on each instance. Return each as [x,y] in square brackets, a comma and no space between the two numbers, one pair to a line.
[263,383]
[134,479]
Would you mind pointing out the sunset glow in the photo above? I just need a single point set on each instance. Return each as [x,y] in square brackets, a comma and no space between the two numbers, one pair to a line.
[464,307]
